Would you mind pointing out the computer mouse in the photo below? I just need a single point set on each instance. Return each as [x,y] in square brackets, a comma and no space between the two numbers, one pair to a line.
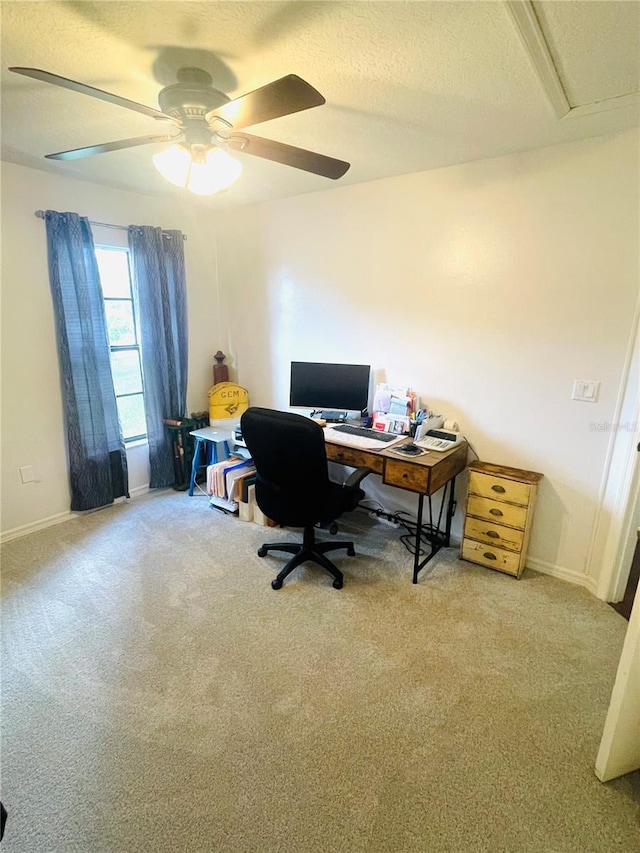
[411,449]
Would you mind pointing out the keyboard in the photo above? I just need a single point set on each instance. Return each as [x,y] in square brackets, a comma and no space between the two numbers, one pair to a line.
[367,439]
[366,433]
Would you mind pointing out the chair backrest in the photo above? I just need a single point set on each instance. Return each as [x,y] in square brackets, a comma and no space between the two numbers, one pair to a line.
[291,464]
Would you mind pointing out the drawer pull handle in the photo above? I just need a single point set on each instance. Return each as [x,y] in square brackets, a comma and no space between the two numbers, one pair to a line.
[489,556]
[500,489]
[493,534]
[496,512]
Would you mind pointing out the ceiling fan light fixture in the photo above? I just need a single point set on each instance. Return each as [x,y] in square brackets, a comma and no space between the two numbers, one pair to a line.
[202,171]
[216,173]
[174,164]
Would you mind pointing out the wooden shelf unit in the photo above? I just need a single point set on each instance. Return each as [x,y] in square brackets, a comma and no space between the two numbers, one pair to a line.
[497,526]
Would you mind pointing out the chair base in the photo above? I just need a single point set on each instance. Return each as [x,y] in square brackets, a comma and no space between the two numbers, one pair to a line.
[308,550]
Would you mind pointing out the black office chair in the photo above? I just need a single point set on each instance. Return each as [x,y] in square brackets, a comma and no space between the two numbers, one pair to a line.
[293,486]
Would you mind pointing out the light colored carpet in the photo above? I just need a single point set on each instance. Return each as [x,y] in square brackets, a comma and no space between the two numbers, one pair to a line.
[159,696]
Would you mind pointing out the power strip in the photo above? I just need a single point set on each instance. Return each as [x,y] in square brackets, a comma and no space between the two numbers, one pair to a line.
[383,519]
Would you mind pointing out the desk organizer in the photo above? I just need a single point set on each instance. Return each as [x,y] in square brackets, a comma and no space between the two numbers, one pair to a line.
[499,515]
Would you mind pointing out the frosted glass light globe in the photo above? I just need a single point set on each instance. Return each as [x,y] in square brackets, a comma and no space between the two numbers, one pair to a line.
[215,172]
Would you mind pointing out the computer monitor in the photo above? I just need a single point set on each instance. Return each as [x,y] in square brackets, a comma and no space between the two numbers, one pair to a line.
[319,386]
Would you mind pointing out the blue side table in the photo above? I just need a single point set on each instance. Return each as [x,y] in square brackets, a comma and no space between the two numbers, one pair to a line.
[211,445]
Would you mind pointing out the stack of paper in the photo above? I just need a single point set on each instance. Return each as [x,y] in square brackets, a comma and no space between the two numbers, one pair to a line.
[248,509]
[224,479]
[245,494]
[393,408]
[245,507]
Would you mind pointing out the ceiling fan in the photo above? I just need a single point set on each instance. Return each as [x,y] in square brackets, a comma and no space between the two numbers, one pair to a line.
[207,122]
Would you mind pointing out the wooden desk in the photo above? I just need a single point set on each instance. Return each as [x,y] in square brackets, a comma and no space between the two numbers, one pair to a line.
[425,475]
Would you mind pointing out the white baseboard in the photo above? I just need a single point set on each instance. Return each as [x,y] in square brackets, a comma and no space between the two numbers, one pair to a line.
[58,518]
[140,490]
[562,573]
[25,529]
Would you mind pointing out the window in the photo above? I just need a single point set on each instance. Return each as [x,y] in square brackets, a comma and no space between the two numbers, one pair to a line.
[122,326]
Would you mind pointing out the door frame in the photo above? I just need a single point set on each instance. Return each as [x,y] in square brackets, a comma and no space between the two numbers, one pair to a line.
[613,537]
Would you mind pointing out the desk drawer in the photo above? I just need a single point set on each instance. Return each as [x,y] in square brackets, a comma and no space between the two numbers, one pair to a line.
[498,513]
[354,458]
[494,558]
[499,488]
[493,534]
[406,476]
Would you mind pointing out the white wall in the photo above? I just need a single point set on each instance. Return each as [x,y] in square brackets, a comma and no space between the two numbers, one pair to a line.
[32,419]
[487,287]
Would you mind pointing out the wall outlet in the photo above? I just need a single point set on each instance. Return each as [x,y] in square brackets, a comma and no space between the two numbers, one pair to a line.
[27,475]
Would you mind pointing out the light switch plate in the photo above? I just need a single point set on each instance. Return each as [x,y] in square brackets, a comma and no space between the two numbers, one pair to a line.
[26,474]
[585,390]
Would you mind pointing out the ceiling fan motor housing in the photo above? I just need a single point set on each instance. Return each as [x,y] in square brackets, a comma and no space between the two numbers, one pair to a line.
[192,97]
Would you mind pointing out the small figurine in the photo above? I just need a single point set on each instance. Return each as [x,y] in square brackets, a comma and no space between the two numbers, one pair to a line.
[220,370]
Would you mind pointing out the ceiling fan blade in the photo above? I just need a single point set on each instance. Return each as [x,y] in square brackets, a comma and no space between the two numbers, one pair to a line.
[84,89]
[288,95]
[299,158]
[90,150]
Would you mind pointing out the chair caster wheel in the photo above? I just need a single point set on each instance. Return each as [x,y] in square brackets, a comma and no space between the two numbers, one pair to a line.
[337,584]
[351,552]
[262,552]
[333,528]
[276,584]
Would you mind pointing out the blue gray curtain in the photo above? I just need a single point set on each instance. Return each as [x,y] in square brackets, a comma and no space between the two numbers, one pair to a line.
[97,459]
[159,279]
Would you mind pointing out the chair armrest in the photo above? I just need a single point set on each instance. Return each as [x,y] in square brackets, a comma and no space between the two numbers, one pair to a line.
[357,476]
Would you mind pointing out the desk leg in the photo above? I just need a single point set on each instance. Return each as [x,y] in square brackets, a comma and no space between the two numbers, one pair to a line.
[194,467]
[437,537]
[450,511]
[416,556]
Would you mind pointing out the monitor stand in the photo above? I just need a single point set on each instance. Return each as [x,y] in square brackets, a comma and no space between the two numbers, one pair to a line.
[330,417]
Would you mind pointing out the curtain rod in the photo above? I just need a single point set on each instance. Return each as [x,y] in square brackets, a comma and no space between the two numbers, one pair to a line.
[40,215]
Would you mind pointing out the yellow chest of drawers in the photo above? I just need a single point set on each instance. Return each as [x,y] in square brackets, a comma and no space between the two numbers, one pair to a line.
[497,524]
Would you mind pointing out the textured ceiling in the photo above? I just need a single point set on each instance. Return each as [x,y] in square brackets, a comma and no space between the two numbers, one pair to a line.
[409,86]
